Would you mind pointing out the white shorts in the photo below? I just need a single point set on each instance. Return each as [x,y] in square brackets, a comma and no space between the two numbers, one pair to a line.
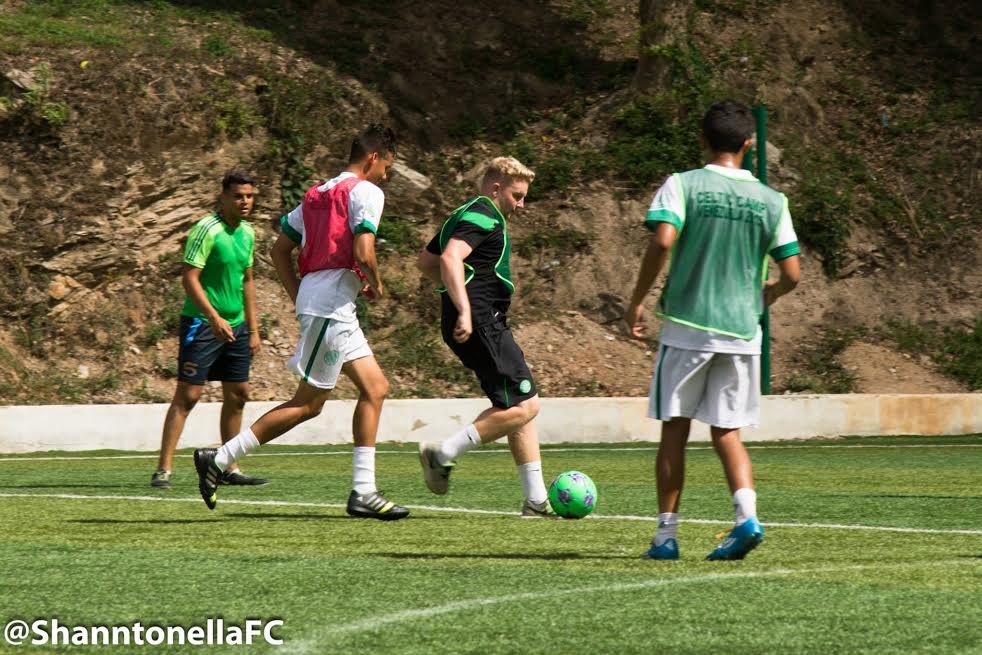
[720,389]
[325,346]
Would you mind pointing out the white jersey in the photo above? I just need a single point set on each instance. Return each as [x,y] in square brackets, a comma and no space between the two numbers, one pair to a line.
[331,293]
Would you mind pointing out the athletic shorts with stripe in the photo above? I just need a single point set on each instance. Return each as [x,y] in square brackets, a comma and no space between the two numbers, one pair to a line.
[202,357]
[495,358]
[719,389]
[325,346]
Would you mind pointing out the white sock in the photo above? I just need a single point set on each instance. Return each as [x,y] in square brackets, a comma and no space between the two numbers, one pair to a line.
[363,478]
[668,524]
[745,502]
[532,484]
[236,448]
[457,445]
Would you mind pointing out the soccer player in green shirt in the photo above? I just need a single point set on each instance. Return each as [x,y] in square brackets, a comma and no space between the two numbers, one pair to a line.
[219,333]
[720,224]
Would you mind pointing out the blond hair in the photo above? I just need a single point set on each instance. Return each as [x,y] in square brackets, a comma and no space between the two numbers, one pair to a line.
[505,170]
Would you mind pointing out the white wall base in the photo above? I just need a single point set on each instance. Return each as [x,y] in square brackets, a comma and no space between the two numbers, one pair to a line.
[137,427]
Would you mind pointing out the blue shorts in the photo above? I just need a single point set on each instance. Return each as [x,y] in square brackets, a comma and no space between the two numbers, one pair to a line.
[202,357]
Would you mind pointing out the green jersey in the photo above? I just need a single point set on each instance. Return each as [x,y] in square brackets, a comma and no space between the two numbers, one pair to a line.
[223,254]
[728,223]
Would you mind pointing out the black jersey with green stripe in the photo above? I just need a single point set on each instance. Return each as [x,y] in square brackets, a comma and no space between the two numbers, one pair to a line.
[487,274]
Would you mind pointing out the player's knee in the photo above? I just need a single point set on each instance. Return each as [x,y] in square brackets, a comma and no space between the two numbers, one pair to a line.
[524,411]
[237,398]
[313,409]
[529,409]
[377,391]
[183,403]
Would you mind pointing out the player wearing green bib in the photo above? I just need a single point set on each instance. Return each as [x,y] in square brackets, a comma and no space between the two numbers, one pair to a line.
[469,257]
[720,225]
[219,333]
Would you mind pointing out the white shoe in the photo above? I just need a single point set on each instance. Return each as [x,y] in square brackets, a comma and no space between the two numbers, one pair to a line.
[435,474]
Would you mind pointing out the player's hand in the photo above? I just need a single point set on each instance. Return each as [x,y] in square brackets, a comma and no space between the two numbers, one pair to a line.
[770,297]
[222,330]
[255,343]
[463,329]
[632,321]
[373,293]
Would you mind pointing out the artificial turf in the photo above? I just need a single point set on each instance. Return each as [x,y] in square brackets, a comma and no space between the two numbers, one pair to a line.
[454,582]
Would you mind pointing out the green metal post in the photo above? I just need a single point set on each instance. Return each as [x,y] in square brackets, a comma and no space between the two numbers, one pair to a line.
[760,119]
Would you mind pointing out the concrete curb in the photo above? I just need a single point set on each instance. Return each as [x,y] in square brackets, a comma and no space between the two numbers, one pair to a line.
[137,427]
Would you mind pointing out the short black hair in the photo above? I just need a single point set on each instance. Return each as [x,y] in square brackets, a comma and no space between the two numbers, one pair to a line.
[236,177]
[727,126]
[374,138]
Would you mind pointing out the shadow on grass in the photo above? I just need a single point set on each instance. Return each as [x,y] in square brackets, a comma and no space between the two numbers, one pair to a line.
[904,496]
[142,521]
[314,517]
[506,556]
[67,486]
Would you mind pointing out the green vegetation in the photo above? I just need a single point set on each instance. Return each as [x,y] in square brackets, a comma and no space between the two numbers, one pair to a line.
[549,585]
[34,330]
[816,369]
[655,135]
[217,46]
[296,113]
[417,352]
[234,115]
[561,242]
[823,204]
[61,23]
[168,316]
[398,234]
[35,108]
[741,8]
[557,167]
[956,351]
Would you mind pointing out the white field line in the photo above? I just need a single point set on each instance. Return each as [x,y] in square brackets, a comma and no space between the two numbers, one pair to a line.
[426,612]
[489,512]
[497,451]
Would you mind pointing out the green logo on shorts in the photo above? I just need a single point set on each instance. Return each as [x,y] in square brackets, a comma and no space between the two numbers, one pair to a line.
[332,357]
[525,386]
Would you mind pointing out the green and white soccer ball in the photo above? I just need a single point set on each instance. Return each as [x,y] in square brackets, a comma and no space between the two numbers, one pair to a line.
[572,495]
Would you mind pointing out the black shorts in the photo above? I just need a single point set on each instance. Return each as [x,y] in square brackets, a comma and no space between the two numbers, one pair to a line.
[202,357]
[495,358]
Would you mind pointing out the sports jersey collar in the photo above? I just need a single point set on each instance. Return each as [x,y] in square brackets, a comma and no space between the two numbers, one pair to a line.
[735,173]
[337,178]
[490,203]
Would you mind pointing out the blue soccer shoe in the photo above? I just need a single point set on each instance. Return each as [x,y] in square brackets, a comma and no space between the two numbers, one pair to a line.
[741,540]
[668,550]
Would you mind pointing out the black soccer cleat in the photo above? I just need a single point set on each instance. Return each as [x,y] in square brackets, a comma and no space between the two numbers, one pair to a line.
[239,479]
[160,479]
[375,505]
[209,475]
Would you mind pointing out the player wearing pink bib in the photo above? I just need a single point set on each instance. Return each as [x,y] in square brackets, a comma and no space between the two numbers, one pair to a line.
[335,228]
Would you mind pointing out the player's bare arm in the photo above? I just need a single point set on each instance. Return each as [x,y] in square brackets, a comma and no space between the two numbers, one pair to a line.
[659,246]
[364,251]
[790,276]
[249,308]
[429,265]
[282,256]
[191,280]
[452,274]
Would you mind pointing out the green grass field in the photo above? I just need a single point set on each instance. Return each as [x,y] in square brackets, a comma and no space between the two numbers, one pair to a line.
[871,546]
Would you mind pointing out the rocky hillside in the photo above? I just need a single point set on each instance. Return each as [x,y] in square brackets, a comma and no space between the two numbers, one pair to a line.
[118,119]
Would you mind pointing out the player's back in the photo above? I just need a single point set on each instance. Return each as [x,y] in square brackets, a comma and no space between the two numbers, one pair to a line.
[720,255]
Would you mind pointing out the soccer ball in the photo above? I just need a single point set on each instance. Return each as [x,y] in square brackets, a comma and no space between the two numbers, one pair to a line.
[573,495]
